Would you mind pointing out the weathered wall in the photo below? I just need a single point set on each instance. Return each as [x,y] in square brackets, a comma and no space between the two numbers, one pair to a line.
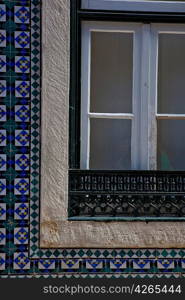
[56,231]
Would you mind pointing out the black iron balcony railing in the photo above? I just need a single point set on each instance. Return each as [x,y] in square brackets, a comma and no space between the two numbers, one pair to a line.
[123,195]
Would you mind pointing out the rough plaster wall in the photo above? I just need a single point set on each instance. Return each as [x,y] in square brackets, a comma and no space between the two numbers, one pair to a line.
[56,231]
[55,90]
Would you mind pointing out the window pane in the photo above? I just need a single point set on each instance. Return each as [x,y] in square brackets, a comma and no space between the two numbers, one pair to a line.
[171,145]
[171,80]
[110,144]
[111,72]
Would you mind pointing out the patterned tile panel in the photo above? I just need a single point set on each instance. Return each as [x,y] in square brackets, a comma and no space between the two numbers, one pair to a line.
[20,255]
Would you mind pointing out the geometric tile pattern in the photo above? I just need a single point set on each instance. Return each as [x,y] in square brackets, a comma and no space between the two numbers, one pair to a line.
[21,14]
[3,68]
[21,261]
[2,236]
[3,12]
[22,89]
[21,211]
[20,254]
[3,83]
[2,38]
[3,113]
[2,261]
[3,162]
[22,39]
[22,137]
[22,64]
[21,186]
[22,162]
[15,104]
[21,235]
[3,211]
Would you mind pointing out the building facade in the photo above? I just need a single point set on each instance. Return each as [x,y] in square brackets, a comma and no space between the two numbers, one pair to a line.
[47,224]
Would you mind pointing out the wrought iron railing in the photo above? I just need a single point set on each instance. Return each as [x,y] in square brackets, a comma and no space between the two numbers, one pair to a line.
[126,194]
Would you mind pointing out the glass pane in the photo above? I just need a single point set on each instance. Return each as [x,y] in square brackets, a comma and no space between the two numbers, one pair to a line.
[171,145]
[171,80]
[110,144]
[111,72]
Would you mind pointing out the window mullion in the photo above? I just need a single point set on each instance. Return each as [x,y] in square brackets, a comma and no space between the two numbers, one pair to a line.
[152,138]
[144,112]
[136,95]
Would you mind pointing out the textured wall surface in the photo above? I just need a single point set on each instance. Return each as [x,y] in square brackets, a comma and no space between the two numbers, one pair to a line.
[56,231]
[55,82]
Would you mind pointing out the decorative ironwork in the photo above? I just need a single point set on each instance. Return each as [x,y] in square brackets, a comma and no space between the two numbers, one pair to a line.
[126,194]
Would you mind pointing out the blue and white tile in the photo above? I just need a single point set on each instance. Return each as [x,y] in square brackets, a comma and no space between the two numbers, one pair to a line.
[3,114]
[21,211]
[3,86]
[118,264]
[21,14]
[3,135]
[2,63]
[2,236]
[165,264]
[21,235]
[22,64]
[70,264]
[3,162]
[46,264]
[183,263]
[22,113]
[21,261]
[22,39]
[2,211]
[22,137]
[2,261]
[21,186]
[2,187]
[22,162]
[2,38]
[92,264]
[2,13]
[22,89]
[141,264]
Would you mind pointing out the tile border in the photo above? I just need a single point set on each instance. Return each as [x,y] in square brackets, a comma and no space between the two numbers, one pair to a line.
[20,254]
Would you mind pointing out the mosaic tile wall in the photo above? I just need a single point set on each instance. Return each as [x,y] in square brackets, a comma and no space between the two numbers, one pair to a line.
[20,254]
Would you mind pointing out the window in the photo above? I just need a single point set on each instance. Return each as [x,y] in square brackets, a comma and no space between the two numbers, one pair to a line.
[127,110]
[135,5]
[133,91]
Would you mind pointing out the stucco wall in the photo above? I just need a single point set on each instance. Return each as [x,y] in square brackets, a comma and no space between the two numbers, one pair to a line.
[56,231]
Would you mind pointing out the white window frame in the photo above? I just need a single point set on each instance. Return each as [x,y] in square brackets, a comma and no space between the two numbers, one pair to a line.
[157,29]
[144,92]
[86,115]
[134,5]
